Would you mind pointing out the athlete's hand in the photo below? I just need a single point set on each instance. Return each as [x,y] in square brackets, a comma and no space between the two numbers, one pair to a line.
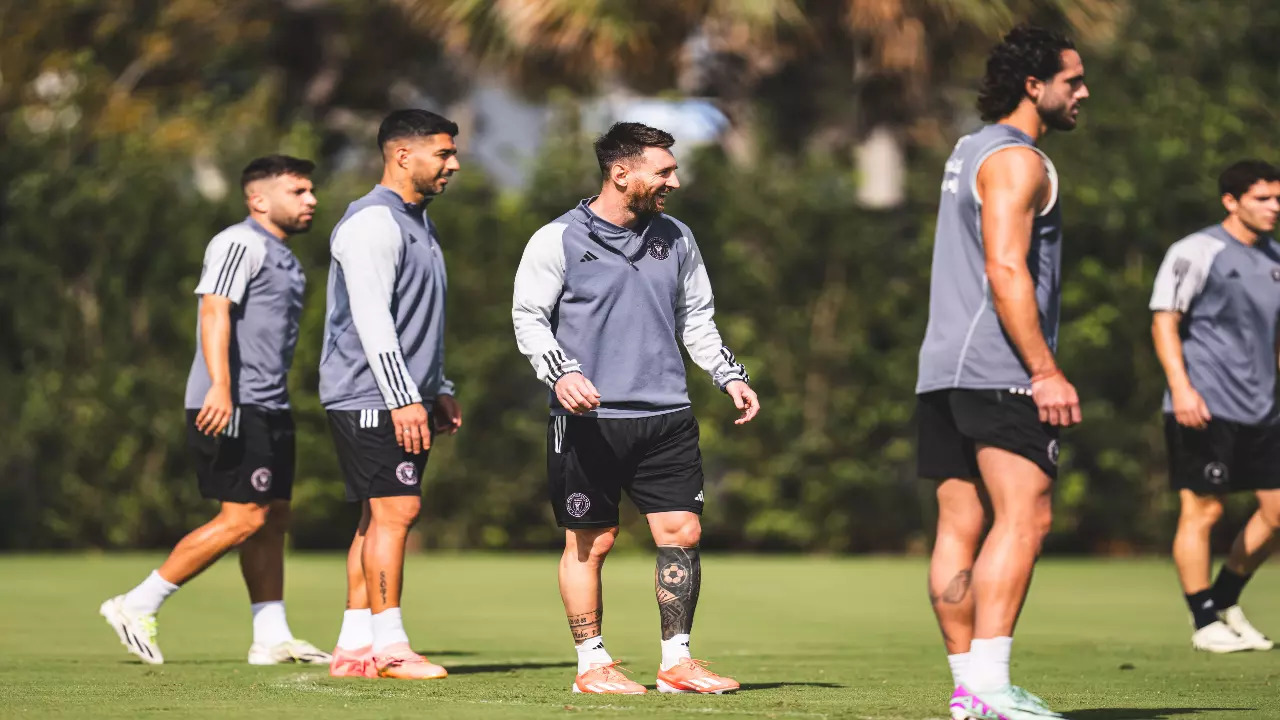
[1190,409]
[745,398]
[1057,400]
[412,430]
[447,415]
[576,393]
[216,411]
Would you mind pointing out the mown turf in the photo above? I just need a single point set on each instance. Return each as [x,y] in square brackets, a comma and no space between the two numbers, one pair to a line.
[808,638]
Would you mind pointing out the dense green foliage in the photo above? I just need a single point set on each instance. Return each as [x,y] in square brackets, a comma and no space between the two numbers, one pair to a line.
[114,121]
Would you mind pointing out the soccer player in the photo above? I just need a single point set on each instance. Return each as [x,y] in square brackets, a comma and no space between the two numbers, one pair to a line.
[1216,303]
[239,426]
[602,296]
[382,380]
[991,398]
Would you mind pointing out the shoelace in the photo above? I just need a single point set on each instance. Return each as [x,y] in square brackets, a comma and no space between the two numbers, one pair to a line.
[698,665]
[611,674]
[399,660]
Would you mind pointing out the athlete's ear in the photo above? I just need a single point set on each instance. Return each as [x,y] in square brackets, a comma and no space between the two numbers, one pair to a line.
[255,198]
[619,174]
[1034,87]
[1231,203]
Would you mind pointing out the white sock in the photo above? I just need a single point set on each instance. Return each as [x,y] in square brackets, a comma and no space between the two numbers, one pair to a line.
[959,667]
[591,653]
[270,626]
[989,664]
[388,629]
[149,595]
[357,629]
[675,650]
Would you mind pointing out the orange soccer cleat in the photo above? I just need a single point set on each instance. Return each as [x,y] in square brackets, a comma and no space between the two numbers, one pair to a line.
[607,680]
[691,675]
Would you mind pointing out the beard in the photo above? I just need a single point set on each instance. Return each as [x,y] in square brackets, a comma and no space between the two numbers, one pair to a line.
[644,204]
[1059,117]
[293,225]
[427,185]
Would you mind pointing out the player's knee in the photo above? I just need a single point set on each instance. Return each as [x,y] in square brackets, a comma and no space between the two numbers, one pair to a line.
[246,520]
[589,546]
[1201,513]
[396,512]
[686,535]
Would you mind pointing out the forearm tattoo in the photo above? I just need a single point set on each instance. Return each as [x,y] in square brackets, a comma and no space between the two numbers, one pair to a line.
[586,626]
[678,580]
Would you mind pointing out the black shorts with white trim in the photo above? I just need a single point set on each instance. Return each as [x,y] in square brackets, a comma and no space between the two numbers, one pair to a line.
[590,461]
[373,463]
[252,461]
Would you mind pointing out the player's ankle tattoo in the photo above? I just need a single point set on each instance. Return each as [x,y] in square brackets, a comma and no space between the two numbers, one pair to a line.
[586,625]
[679,578]
[956,591]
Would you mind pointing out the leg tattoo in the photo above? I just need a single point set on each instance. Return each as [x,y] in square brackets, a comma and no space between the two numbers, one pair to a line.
[679,578]
[958,588]
[586,626]
[382,585]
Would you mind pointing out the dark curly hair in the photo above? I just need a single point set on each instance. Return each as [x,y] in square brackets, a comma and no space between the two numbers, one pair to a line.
[1027,51]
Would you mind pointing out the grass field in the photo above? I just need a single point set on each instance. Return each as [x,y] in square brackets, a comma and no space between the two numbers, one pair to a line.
[807,637]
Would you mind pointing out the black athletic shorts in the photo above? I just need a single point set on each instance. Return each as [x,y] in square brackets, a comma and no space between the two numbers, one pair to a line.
[373,463]
[590,461]
[1224,457]
[952,423]
[252,461]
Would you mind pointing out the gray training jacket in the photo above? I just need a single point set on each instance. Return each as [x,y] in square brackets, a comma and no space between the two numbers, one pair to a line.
[384,325]
[599,299]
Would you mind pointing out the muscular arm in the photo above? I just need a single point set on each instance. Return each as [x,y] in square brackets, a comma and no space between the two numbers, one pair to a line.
[1013,185]
[215,338]
[1168,342]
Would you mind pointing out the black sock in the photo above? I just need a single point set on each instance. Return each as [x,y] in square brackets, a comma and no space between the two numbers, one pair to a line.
[1226,589]
[1203,610]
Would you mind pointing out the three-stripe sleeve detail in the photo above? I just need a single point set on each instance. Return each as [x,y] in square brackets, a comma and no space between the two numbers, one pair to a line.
[397,378]
[230,266]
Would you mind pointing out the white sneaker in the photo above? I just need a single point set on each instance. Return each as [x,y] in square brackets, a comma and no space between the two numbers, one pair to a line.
[290,651]
[1235,619]
[137,632]
[1216,637]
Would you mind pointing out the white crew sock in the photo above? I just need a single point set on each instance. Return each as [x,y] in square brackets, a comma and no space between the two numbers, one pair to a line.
[959,668]
[675,650]
[591,653]
[357,629]
[388,629]
[149,595]
[270,626]
[989,664]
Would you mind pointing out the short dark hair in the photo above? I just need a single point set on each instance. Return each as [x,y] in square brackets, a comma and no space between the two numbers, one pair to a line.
[1027,51]
[626,140]
[1242,175]
[414,123]
[271,166]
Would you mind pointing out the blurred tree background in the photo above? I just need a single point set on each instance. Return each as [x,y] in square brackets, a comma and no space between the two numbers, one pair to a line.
[125,124]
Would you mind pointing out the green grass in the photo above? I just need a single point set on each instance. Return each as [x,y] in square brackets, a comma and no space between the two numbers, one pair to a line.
[807,637]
